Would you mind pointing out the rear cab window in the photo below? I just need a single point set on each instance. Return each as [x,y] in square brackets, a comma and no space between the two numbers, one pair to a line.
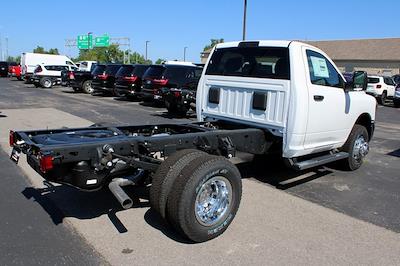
[255,62]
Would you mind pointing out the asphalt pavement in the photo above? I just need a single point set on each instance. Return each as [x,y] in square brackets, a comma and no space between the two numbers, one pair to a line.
[370,194]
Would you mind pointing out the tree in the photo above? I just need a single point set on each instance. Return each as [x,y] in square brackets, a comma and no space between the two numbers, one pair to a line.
[160,61]
[14,59]
[212,44]
[137,58]
[53,51]
[102,54]
[41,50]
[111,54]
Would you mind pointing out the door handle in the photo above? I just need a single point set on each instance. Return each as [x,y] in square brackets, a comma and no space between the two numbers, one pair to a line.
[318,98]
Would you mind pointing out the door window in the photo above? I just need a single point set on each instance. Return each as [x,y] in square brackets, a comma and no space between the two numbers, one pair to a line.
[389,81]
[322,72]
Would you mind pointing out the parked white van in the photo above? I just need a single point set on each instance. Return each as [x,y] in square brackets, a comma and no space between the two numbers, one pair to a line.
[29,61]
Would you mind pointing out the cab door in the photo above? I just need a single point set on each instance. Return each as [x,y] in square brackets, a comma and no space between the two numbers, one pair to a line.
[328,109]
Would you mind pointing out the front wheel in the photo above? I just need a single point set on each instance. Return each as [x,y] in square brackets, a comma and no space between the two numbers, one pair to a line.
[205,198]
[357,146]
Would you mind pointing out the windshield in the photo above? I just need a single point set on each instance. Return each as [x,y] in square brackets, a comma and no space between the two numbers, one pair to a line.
[373,80]
[112,69]
[154,72]
[99,70]
[140,70]
[259,62]
[125,71]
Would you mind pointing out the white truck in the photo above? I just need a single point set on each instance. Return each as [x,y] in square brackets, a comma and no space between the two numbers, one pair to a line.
[255,97]
[29,62]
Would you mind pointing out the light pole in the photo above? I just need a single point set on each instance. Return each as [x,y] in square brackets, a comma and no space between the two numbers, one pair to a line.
[184,53]
[147,42]
[244,19]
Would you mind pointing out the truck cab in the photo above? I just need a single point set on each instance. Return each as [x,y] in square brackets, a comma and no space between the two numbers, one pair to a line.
[289,88]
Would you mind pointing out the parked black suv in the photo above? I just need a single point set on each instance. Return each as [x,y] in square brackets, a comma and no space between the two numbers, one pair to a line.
[159,79]
[180,100]
[104,78]
[3,69]
[129,80]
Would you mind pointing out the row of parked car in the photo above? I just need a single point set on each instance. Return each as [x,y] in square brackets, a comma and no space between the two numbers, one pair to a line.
[172,84]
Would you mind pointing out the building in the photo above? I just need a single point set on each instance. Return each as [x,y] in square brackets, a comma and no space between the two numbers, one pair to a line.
[375,56]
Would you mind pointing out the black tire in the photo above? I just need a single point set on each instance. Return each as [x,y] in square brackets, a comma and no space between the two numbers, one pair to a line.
[396,103]
[181,205]
[351,163]
[167,172]
[46,83]
[87,86]
[382,99]
[173,109]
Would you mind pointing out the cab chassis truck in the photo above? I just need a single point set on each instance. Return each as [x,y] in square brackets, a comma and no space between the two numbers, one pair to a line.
[255,97]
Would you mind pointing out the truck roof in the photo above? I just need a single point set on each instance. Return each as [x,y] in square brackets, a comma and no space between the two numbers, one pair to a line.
[263,43]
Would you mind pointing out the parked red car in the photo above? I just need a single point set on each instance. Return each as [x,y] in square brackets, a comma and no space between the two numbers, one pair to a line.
[14,70]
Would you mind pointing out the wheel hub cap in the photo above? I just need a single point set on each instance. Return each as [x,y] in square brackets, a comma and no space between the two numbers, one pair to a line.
[361,148]
[213,201]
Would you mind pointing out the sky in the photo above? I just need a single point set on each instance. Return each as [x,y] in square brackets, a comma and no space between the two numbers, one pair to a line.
[170,25]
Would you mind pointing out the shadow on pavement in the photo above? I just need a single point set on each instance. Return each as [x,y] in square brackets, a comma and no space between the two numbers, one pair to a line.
[157,222]
[273,171]
[64,201]
[174,116]
[395,153]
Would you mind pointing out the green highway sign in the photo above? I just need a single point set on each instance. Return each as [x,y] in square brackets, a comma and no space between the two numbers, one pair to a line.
[102,41]
[84,41]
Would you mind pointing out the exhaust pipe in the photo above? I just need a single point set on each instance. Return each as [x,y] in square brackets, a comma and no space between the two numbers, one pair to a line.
[116,185]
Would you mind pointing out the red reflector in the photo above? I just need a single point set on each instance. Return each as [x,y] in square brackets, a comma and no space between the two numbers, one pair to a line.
[11,139]
[378,86]
[177,93]
[102,76]
[160,81]
[130,79]
[46,163]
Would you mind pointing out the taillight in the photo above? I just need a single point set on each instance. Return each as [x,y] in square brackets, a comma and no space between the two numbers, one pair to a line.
[46,163]
[160,81]
[130,79]
[102,76]
[71,75]
[177,94]
[378,86]
[11,138]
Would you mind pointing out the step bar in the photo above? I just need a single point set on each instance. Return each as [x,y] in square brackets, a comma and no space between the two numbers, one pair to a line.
[317,161]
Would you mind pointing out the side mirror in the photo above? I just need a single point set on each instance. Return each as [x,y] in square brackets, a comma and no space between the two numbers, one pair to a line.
[360,80]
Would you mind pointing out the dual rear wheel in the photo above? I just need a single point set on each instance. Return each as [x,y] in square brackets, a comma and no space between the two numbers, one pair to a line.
[197,193]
